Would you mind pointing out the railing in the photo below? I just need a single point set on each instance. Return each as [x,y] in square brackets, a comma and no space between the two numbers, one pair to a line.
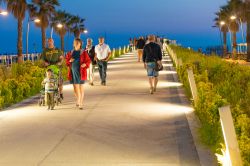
[7,60]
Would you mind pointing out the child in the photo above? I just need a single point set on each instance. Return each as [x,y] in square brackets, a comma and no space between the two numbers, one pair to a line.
[50,85]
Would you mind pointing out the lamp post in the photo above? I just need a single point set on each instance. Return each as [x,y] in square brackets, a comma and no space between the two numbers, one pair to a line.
[59,25]
[27,34]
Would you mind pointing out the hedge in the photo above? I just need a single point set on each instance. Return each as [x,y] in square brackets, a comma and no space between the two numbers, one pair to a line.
[218,83]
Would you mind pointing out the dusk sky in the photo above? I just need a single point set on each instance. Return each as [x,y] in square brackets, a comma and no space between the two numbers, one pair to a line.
[188,21]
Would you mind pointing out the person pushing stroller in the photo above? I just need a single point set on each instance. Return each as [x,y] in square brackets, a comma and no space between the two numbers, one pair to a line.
[50,86]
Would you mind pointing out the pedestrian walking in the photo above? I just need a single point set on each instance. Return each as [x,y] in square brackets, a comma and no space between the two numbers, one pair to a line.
[152,56]
[78,62]
[91,52]
[140,45]
[103,54]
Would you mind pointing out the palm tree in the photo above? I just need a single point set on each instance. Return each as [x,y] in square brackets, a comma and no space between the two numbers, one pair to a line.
[18,9]
[220,21]
[61,17]
[76,26]
[247,16]
[44,10]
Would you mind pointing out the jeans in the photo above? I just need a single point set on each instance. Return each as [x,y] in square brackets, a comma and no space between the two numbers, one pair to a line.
[102,66]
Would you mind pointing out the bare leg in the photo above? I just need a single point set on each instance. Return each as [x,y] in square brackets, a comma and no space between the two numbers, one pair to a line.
[76,91]
[81,93]
[151,84]
[155,83]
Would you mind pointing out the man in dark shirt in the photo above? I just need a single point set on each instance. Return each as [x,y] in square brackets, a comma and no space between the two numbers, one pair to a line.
[140,46]
[152,55]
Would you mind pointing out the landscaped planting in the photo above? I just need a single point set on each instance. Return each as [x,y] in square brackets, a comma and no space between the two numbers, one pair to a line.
[219,83]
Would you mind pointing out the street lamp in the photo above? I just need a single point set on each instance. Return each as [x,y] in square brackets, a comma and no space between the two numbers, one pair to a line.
[36,20]
[59,25]
[233,17]
[4,13]
[222,23]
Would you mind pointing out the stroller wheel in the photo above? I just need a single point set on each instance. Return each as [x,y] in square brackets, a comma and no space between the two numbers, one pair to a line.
[39,102]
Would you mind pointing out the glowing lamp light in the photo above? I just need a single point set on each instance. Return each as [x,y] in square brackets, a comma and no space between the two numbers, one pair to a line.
[4,13]
[59,25]
[233,17]
[222,23]
[85,31]
[37,20]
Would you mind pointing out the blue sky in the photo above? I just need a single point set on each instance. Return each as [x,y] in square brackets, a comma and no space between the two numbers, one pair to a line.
[188,21]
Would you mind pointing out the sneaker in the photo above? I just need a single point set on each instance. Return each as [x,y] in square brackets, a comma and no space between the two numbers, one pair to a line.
[104,83]
[48,108]
[151,91]
[154,89]
[52,108]
[81,107]
[61,96]
[92,84]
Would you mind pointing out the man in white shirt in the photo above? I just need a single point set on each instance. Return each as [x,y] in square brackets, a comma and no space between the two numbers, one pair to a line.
[102,55]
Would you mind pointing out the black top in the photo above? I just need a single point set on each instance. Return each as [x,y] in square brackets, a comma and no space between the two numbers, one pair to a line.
[140,44]
[91,54]
[152,52]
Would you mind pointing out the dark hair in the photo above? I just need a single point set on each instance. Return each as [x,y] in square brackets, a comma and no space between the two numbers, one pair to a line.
[79,41]
[49,70]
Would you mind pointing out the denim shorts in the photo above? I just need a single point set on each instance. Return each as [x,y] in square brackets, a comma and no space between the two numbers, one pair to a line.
[151,70]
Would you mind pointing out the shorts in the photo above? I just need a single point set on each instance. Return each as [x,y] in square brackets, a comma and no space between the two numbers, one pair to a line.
[151,70]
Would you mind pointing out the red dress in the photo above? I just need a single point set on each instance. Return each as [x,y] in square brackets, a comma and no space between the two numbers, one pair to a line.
[84,59]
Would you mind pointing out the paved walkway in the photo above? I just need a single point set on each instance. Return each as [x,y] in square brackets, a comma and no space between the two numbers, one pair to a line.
[121,125]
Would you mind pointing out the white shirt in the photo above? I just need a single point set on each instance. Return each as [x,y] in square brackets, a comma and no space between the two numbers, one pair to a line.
[102,51]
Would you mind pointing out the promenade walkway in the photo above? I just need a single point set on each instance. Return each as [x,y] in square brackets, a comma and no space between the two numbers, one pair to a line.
[121,125]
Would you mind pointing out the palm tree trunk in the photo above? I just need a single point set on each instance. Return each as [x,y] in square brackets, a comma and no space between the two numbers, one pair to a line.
[43,29]
[77,34]
[20,40]
[224,44]
[234,46]
[248,33]
[62,42]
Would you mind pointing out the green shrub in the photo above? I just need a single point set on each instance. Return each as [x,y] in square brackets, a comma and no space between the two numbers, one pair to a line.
[218,82]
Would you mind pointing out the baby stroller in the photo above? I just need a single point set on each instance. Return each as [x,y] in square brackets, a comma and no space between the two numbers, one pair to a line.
[58,77]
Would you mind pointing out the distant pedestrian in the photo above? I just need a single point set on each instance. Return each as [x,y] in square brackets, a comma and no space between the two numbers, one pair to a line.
[131,45]
[152,56]
[135,43]
[103,54]
[78,61]
[158,41]
[140,45]
[91,52]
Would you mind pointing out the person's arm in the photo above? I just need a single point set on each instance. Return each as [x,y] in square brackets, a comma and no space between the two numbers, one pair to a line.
[68,59]
[144,58]
[43,58]
[109,54]
[86,59]
[159,54]
[61,59]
